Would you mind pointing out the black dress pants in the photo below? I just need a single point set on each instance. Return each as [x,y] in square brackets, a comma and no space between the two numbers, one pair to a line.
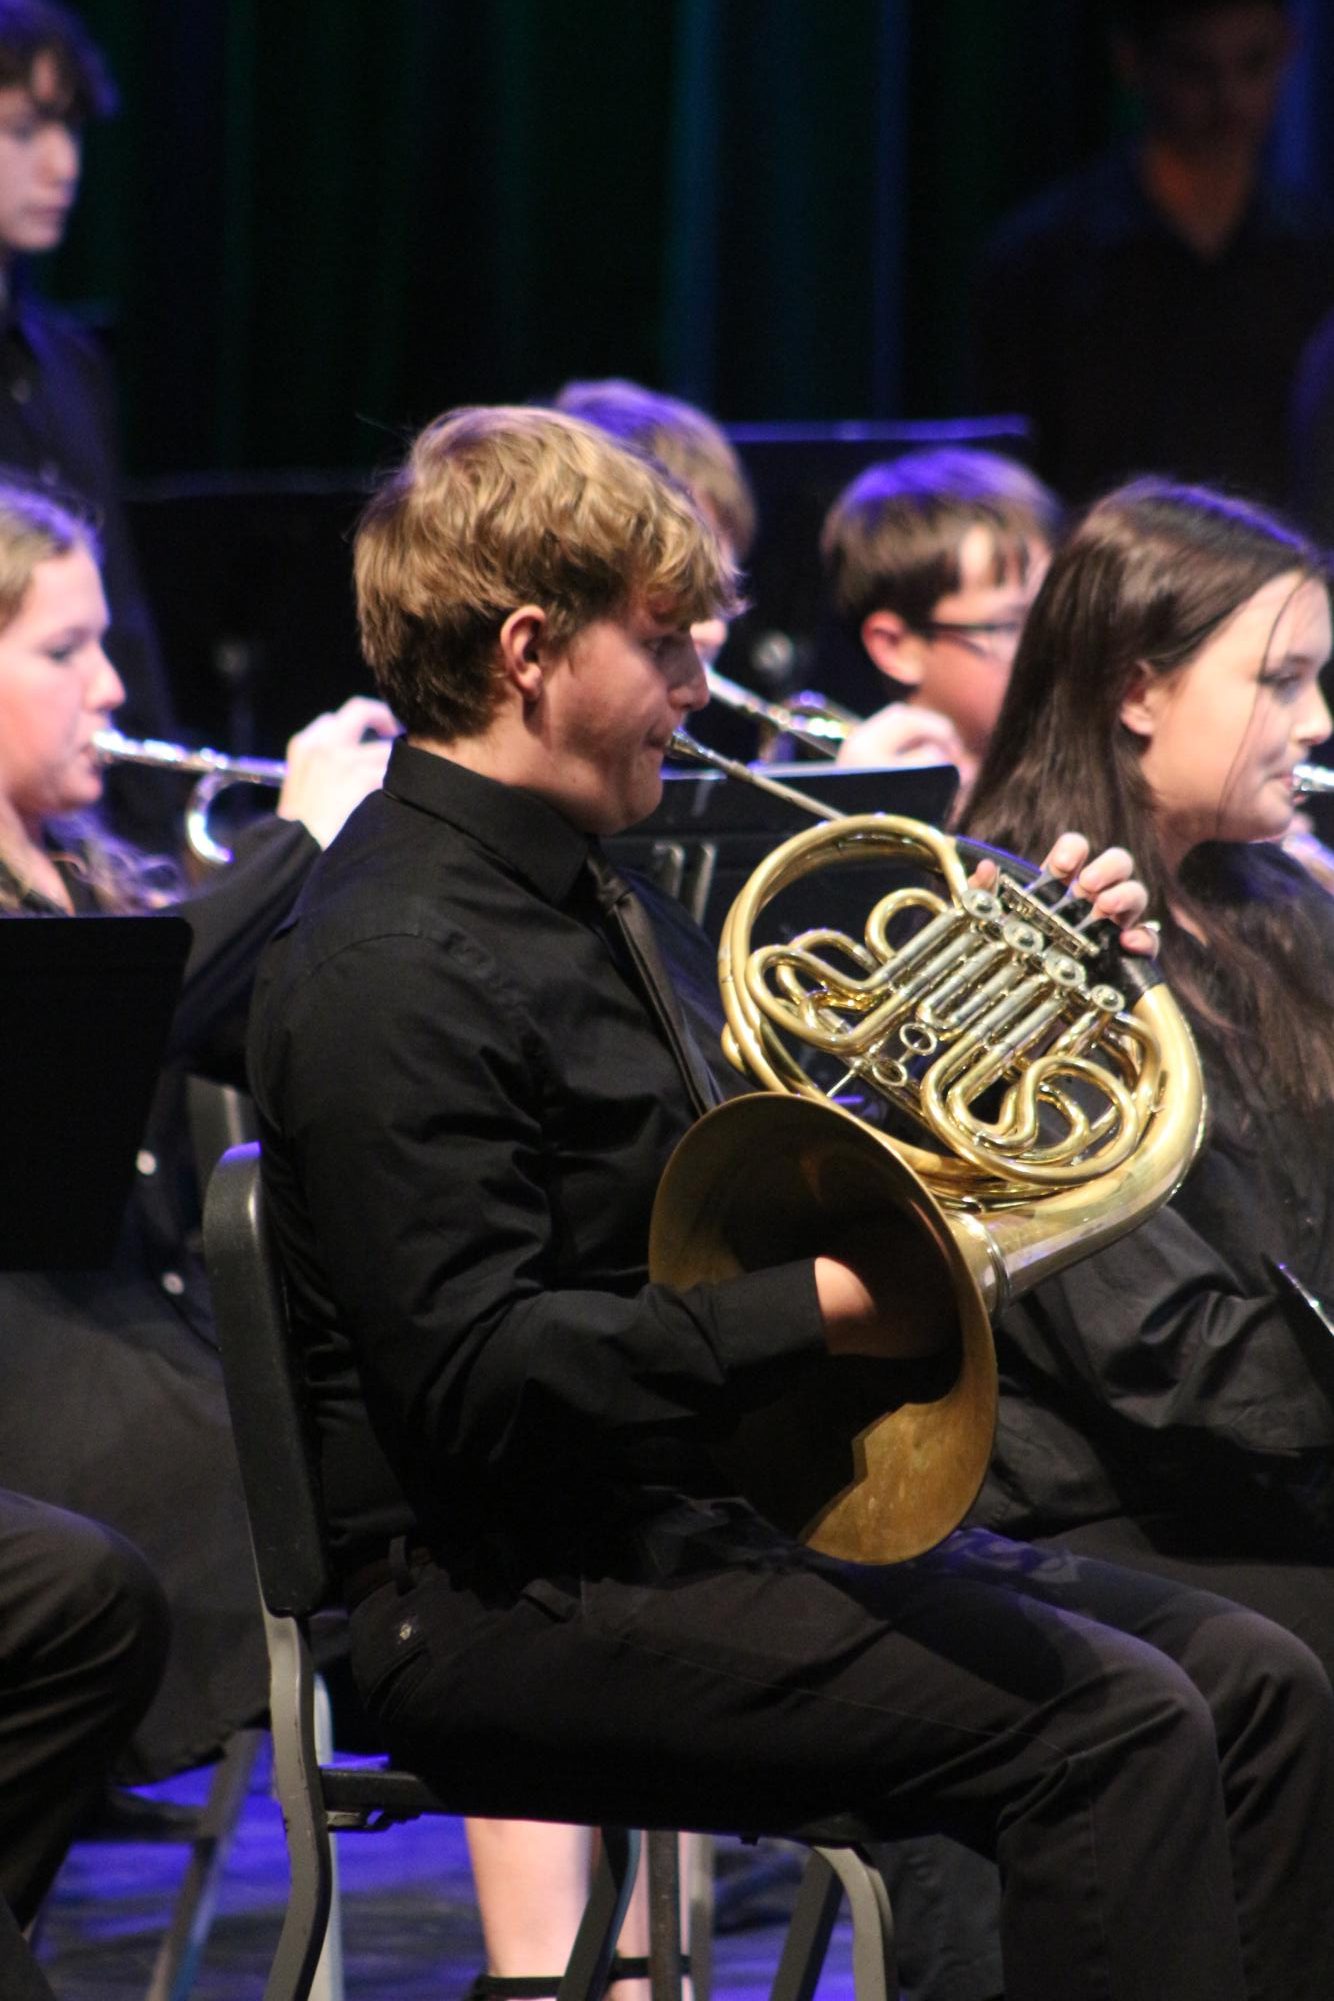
[1152,1768]
[83,1637]
[946,1897]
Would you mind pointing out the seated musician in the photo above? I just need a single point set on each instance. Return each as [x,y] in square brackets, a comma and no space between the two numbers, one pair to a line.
[469,1085]
[532,1878]
[931,562]
[112,1403]
[1168,1404]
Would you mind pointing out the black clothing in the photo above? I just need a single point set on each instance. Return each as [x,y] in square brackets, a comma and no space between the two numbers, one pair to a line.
[1311,434]
[465,1106]
[1130,352]
[1163,1406]
[122,1365]
[58,430]
[83,1638]
[543,1376]
[1171,1377]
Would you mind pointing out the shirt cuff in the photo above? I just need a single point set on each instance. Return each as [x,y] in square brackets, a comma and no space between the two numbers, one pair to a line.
[764,1322]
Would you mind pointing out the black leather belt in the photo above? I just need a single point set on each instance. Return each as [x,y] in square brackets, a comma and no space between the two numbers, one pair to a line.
[394,1567]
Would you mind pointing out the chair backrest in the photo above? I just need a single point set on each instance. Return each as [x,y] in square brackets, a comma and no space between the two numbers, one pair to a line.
[219,1116]
[275,1438]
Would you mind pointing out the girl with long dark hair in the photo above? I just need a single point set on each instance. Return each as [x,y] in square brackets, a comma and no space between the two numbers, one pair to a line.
[1170,1402]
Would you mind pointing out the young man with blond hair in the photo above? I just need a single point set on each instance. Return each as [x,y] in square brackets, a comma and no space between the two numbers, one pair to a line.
[468,1090]
[693,449]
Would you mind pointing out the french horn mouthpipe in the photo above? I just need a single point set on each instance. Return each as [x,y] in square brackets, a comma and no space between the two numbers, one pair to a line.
[684,745]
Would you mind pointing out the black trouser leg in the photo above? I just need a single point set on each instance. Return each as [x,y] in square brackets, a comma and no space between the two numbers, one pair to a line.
[947,1898]
[83,1633]
[1124,1748]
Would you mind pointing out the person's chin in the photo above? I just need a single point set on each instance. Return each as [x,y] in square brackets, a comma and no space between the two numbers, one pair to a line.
[80,798]
[44,224]
[642,798]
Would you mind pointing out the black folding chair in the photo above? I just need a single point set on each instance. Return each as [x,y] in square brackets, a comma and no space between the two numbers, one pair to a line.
[275,1446]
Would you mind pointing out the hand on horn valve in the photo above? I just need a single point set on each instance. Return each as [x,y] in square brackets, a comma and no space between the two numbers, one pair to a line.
[1107,883]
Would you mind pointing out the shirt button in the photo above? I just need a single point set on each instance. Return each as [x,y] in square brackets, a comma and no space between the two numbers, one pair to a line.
[145,1161]
[173,1283]
[21,390]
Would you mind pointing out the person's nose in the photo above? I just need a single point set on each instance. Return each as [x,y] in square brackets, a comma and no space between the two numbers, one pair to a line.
[1314,723]
[106,690]
[710,636]
[61,156]
[692,691]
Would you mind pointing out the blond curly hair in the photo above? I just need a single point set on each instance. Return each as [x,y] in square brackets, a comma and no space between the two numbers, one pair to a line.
[499,507]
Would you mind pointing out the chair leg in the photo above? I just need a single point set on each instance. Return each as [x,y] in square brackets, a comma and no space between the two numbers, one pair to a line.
[875,1975]
[829,1872]
[664,1917]
[192,1913]
[296,1780]
[586,1970]
[810,1931]
[699,1906]
[327,1984]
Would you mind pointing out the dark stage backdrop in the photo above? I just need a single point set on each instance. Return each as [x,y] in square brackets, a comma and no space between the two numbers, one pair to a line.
[316,223]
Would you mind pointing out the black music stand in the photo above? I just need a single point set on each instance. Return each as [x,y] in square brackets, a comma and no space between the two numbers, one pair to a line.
[711,832]
[85,1009]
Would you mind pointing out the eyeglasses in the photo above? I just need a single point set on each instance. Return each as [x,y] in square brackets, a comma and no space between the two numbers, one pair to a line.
[989,638]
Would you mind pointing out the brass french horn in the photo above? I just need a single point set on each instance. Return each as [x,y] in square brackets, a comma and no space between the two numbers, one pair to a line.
[1052,1110]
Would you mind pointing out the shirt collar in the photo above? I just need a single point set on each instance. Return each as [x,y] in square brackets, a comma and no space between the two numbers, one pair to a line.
[527,832]
[1118,207]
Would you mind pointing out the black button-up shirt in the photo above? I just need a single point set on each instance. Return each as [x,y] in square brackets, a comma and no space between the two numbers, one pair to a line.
[466,1108]
[1170,1376]
[1131,352]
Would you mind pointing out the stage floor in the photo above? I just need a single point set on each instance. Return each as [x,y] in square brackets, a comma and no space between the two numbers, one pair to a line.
[410,1926]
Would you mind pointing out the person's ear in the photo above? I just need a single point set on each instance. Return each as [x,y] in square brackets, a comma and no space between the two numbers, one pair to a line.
[524,653]
[892,647]
[1141,705]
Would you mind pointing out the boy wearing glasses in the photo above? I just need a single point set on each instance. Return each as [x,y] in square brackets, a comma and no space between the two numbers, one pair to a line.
[932,561]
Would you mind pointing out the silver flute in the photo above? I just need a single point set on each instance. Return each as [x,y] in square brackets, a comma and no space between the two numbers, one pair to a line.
[113,748]
[1313,778]
[212,770]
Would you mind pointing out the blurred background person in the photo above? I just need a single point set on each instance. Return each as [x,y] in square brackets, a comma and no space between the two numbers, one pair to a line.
[693,448]
[1149,313]
[113,1402]
[58,421]
[931,562]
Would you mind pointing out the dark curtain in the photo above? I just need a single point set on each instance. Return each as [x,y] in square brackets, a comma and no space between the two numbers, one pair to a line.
[318,222]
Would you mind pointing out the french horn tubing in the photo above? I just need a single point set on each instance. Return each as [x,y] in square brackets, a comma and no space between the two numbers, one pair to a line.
[1052,1107]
